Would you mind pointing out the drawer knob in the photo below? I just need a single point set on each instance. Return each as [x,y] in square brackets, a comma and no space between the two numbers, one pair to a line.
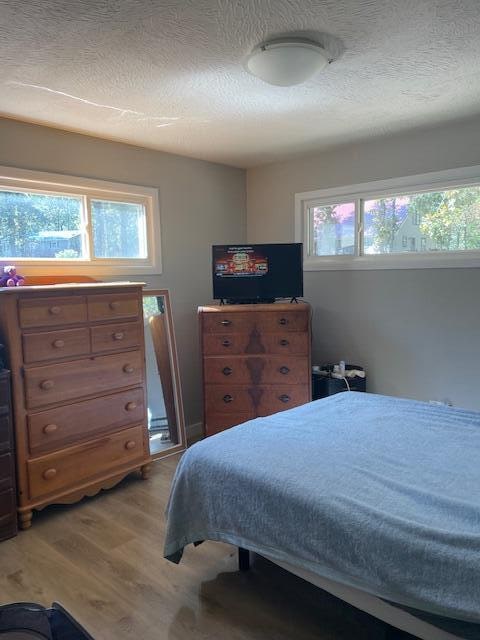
[55,310]
[284,398]
[227,398]
[130,406]
[128,368]
[227,371]
[284,343]
[284,370]
[226,343]
[46,385]
[283,321]
[58,344]
[50,428]
[48,474]
[119,335]
[114,304]
[226,323]
[130,444]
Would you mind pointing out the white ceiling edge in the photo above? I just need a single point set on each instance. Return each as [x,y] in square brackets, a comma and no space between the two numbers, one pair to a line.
[283,158]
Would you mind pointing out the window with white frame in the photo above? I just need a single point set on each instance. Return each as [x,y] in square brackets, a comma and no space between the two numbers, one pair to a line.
[50,222]
[423,221]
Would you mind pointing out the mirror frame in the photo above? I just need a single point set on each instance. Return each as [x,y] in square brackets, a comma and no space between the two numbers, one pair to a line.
[177,389]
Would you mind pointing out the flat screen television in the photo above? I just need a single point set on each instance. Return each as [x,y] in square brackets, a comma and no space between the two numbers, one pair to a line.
[257,272]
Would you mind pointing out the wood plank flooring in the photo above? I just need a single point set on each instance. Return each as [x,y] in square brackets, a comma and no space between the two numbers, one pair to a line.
[102,559]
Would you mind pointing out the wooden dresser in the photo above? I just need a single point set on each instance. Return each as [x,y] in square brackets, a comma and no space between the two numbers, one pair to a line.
[256,361]
[8,498]
[76,354]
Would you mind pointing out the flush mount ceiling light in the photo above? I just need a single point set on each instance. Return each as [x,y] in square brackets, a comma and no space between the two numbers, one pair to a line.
[286,61]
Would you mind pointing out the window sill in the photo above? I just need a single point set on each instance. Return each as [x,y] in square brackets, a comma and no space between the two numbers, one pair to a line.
[35,268]
[454,260]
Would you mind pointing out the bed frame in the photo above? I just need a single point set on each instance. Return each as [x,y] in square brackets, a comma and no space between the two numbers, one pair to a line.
[376,607]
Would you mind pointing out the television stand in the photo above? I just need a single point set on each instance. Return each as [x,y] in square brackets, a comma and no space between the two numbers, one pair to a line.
[255,360]
[224,301]
[247,301]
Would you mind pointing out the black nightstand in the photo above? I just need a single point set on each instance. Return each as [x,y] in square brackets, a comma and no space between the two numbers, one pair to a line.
[325,385]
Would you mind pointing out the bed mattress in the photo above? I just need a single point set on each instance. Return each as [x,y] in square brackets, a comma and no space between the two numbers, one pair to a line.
[378,493]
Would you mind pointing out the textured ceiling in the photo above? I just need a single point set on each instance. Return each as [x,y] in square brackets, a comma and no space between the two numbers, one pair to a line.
[168,74]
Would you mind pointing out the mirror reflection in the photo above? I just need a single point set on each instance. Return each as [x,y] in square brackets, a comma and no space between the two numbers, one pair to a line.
[165,417]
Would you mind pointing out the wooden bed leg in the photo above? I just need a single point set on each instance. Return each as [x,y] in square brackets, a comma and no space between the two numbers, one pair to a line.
[243,559]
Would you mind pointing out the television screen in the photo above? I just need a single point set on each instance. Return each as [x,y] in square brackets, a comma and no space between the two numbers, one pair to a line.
[257,272]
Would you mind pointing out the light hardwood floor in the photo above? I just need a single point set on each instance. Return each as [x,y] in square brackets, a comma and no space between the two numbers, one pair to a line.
[102,559]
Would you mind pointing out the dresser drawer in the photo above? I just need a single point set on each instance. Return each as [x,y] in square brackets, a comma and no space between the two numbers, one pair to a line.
[46,312]
[244,322]
[256,369]
[255,343]
[109,337]
[6,471]
[222,321]
[5,433]
[279,398]
[283,321]
[7,503]
[4,394]
[217,422]
[228,399]
[227,344]
[287,343]
[52,345]
[63,426]
[8,514]
[112,306]
[72,466]
[69,380]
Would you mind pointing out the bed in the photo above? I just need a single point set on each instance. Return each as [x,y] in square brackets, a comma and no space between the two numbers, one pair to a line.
[375,499]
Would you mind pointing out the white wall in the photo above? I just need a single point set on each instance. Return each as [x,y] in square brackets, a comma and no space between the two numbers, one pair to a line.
[416,331]
[201,203]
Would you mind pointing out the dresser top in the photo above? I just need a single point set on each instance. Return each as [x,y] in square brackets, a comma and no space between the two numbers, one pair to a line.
[274,306]
[69,286]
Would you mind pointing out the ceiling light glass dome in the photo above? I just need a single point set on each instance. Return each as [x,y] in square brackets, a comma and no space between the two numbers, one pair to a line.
[287,61]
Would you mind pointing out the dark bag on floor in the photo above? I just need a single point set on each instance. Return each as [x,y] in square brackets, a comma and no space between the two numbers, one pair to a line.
[26,621]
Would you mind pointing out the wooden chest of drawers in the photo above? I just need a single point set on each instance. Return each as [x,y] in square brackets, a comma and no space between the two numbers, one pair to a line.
[8,501]
[77,358]
[256,361]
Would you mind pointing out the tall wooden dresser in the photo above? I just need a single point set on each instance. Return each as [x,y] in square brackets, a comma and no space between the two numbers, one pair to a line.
[8,498]
[256,361]
[76,354]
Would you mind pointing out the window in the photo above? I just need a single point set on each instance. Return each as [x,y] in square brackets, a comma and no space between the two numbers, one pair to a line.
[423,221]
[333,229]
[118,229]
[58,224]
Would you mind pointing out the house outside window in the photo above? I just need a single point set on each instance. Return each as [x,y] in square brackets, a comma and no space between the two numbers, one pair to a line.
[421,221]
[60,224]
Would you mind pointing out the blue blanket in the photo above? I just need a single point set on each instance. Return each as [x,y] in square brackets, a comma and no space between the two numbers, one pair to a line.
[379,493]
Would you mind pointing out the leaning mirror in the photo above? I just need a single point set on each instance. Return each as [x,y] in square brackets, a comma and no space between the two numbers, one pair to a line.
[166,426]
